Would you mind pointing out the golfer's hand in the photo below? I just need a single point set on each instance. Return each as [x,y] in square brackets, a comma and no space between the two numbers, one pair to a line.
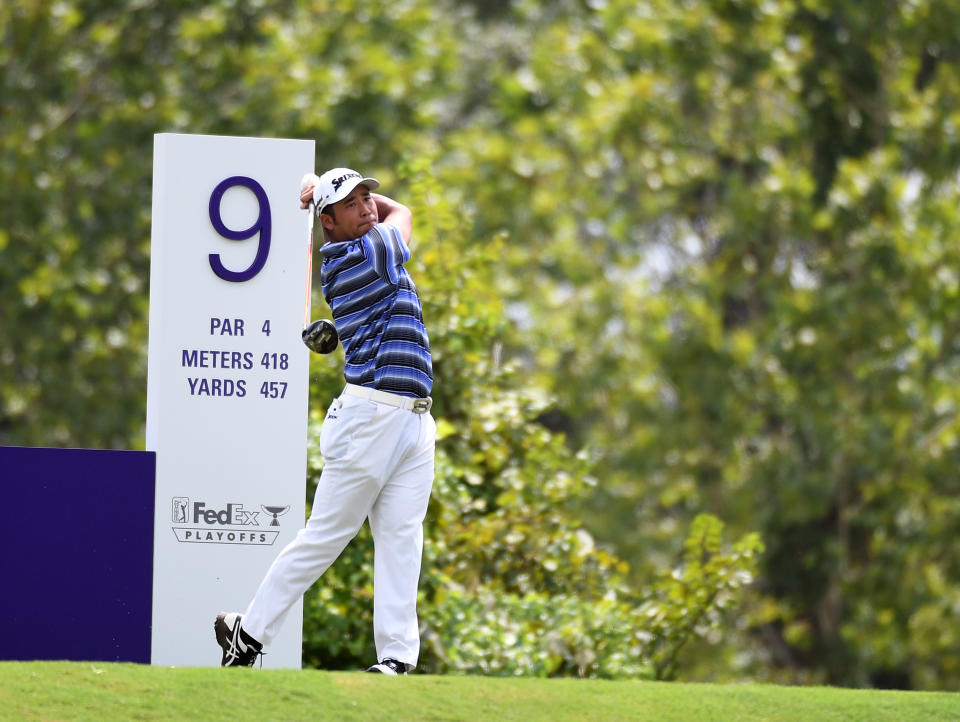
[306,195]
[307,185]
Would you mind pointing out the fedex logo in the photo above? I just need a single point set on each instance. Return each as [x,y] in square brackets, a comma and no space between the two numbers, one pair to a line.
[234,514]
[195,520]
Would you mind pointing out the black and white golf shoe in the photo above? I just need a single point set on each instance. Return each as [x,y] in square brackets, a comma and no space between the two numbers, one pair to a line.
[389,666]
[239,648]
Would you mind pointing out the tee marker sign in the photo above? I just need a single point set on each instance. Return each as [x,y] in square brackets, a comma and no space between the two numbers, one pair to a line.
[227,382]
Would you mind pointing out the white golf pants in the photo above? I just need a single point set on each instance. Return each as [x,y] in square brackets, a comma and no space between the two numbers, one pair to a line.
[378,463]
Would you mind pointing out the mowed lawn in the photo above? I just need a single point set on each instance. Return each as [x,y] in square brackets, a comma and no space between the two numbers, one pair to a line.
[101,691]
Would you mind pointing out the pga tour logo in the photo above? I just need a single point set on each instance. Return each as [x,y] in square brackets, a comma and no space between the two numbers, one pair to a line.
[232,524]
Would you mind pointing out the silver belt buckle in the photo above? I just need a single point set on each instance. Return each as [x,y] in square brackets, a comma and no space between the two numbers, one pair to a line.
[422,406]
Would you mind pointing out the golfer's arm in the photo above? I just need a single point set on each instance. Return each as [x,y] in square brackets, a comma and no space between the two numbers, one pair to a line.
[389,211]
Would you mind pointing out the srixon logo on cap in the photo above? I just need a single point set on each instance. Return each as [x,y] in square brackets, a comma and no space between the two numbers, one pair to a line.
[337,182]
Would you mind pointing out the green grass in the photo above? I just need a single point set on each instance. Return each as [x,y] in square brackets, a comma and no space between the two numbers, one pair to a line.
[99,691]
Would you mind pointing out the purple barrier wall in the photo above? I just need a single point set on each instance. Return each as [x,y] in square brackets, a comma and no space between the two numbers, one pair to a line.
[77,554]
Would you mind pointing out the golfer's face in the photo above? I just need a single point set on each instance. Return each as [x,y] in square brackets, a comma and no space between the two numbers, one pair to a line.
[354,215]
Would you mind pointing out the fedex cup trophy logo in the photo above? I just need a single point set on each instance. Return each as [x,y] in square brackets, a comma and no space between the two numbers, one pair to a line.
[276,511]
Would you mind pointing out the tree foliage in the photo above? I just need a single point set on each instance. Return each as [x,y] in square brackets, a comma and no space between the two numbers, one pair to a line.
[681,262]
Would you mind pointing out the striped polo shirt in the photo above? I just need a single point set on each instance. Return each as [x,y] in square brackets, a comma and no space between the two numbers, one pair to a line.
[377,312]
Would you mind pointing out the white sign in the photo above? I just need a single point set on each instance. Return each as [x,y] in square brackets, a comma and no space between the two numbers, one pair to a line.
[228,382]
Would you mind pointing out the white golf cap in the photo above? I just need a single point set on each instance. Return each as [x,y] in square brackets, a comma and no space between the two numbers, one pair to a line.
[336,184]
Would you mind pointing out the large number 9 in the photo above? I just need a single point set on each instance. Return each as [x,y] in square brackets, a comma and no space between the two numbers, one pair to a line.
[261,226]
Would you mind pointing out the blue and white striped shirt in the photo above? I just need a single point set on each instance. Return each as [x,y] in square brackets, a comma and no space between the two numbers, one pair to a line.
[377,312]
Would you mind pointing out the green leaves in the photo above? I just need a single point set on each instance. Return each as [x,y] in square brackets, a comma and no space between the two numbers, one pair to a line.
[481,630]
[692,599]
